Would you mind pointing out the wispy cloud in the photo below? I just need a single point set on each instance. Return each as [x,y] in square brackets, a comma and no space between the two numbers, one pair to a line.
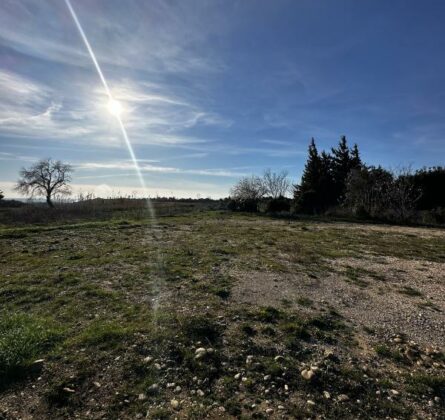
[146,167]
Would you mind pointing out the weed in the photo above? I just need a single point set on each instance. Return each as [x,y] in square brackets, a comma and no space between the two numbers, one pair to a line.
[22,339]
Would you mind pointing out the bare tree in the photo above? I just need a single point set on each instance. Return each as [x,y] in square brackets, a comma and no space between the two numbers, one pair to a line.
[276,184]
[249,188]
[404,194]
[45,178]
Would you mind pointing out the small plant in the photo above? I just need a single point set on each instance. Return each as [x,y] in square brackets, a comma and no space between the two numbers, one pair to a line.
[200,328]
[304,301]
[22,339]
[269,314]
[410,291]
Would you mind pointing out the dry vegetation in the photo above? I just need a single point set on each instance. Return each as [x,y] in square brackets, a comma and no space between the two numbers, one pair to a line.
[221,315]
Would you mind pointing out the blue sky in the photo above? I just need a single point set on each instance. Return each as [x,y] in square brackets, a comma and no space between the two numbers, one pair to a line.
[214,90]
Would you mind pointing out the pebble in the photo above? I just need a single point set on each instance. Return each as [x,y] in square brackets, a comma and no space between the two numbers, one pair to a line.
[153,389]
[269,410]
[200,392]
[69,390]
[148,359]
[342,397]
[175,404]
[142,397]
[281,407]
[200,352]
[267,377]
[222,409]
[178,389]
[326,394]
[307,374]
[249,360]
[310,402]
[237,376]
[394,392]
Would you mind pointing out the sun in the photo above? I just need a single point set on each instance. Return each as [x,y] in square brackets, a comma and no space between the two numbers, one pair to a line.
[114,107]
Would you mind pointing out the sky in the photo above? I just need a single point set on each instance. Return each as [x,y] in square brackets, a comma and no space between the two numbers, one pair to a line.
[215,90]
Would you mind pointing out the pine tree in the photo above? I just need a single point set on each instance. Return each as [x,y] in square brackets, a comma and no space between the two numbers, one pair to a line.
[307,194]
[356,161]
[341,165]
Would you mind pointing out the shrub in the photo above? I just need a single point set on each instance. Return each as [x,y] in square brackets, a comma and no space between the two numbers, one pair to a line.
[278,204]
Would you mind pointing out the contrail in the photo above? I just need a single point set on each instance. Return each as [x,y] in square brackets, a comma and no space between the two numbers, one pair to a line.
[107,90]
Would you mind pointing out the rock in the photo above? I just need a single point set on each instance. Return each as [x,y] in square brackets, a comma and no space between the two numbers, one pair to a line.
[69,390]
[170,385]
[222,409]
[342,397]
[269,410]
[267,377]
[200,393]
[394,392]
[175,404]
[178,389]
[97,384]
[281,407]
[153,389]
[437,399]
[148,359]
[237,376]
[142,397]
[310,402]
[157,366]
[249,360]
[326,394]
[210,350]
[200,350]
[307,374]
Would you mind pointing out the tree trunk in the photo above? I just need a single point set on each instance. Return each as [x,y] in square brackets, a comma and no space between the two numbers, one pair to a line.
[49,202]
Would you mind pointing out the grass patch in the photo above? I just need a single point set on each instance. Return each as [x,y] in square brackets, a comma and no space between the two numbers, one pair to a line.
[104,334]
[23,338]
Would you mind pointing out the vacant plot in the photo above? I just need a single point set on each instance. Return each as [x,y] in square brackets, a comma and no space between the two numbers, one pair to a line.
[223,316]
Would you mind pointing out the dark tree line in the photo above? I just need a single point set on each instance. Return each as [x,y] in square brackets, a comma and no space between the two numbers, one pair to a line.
[340,179]
[324,180]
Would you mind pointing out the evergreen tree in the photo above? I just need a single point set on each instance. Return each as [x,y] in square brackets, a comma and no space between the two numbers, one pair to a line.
[343,161]
[356,161]
[307,194]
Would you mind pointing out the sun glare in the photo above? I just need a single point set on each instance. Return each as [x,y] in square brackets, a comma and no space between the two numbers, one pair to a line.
[114,107]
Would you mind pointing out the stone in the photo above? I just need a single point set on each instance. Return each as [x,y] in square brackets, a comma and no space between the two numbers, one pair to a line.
[342,397]
[175,404]
[200,392]
[326,394]
[142,397]
[267,377]
[269,410]
[310,402]
[307,374]
[153,389]
[69,390]
[148,359]
[237,376]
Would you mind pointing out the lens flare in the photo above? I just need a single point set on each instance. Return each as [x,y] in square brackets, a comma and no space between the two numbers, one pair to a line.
[114,107]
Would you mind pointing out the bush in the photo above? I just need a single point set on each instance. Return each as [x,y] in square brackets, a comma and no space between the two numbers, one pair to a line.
[22,339]
[276,205]
[248,205]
